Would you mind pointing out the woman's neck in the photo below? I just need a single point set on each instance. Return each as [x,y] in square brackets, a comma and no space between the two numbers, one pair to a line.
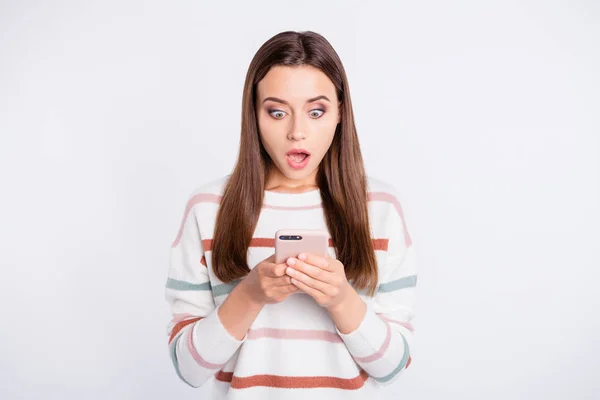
[277,182]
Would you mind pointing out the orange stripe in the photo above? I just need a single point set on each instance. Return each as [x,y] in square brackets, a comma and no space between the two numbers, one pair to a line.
[289,382]
[262,242]
[378,244]
[180,325]
[215,198]
[224,376]
[203,261]
[255,242]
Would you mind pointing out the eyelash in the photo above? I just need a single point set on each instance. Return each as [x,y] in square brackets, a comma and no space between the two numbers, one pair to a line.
[270,111]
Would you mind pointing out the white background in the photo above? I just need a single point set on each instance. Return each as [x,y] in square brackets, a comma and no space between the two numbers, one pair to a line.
[485,114]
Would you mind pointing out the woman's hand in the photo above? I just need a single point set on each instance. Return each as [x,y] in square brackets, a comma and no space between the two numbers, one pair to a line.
[267,282]
[323,278]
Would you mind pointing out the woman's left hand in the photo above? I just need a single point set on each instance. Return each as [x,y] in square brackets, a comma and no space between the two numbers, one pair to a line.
[323,278]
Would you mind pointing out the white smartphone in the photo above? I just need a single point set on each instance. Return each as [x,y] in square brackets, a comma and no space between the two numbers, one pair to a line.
[291,242]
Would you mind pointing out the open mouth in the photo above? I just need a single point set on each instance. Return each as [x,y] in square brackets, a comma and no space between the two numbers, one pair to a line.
[298,158]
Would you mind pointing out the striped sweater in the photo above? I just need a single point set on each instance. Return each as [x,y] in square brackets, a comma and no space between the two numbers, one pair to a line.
[293,349]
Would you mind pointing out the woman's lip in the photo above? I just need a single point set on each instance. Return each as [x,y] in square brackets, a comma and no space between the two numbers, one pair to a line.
[297,151]
[298,165]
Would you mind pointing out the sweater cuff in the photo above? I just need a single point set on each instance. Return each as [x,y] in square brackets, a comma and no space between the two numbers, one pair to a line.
[210,335]
[367,337]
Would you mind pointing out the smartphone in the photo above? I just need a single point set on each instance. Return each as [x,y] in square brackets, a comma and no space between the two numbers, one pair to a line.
[291,242]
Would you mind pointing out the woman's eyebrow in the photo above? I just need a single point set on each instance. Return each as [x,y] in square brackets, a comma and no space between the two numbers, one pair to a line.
[275,99]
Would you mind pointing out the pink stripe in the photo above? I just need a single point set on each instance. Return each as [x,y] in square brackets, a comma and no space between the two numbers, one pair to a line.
[201,361]
[294,334]
[297,208]
[377,355]
[199,198]
[213,198]
[181,317]
[382,196]
[407,325]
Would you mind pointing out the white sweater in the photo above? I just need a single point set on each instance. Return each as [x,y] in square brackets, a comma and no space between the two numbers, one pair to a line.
[293,349]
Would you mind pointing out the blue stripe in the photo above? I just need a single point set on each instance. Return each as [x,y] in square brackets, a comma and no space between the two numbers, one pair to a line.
[399,367]
[402,283]
[174,358]
[224,288]
[183,285]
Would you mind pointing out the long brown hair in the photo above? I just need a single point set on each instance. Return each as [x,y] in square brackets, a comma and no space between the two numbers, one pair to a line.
[341,175]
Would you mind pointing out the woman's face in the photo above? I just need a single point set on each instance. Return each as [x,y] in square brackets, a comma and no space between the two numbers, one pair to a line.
[297,112]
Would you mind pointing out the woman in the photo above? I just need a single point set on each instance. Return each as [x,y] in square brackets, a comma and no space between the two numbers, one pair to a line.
[347,331]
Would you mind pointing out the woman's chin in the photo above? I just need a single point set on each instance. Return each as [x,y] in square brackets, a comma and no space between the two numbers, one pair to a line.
[296,174]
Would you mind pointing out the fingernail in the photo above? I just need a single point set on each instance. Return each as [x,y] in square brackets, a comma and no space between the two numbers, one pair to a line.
[291,261]
[302,256]
[289,271]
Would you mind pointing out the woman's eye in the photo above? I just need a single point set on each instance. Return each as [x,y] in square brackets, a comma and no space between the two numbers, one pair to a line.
[278,114]
[316,113]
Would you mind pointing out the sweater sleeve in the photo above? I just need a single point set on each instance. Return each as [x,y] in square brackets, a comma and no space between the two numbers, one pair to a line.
[381,344]
[199,344]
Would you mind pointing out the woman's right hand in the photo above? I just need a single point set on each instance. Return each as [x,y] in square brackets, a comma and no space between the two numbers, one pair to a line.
[267,282]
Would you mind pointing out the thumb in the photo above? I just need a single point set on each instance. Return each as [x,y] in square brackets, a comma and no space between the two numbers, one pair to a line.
[279,269]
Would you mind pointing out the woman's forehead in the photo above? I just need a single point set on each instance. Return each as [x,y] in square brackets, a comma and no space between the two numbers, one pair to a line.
[295,84]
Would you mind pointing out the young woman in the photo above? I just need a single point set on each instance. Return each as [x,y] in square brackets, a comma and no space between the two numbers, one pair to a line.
[346,330]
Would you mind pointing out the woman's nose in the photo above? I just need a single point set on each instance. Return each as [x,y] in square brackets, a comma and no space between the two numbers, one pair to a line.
[298,131]
[296,135]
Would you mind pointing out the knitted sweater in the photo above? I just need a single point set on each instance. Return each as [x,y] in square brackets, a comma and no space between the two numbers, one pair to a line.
[293,350]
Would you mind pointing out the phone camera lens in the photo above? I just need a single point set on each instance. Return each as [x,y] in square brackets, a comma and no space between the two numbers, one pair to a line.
[290,237]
